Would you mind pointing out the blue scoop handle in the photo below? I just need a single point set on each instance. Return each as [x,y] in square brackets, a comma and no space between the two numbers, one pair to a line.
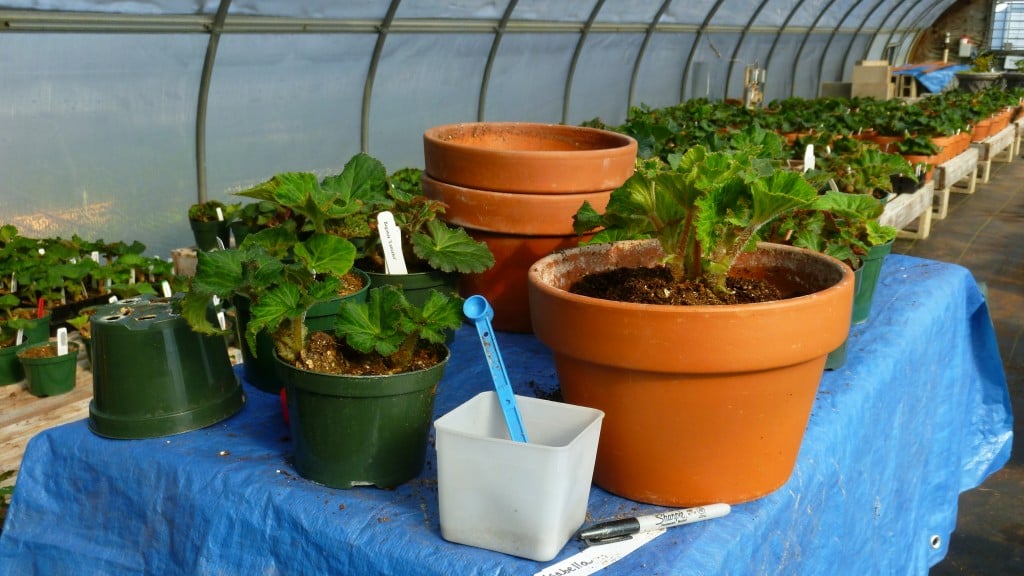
[479,310]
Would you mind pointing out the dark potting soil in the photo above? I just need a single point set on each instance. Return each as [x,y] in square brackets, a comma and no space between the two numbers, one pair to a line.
[657,286]
[40,352]
[324,354]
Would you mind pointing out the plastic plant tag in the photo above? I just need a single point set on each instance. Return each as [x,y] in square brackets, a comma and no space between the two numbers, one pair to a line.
[19,338]
[131,276]
[809,157]
[216,299]
[166,287]
[595,558]
[832,185]
[41,307]
[220,214]
[221,320]
[220,243]
[42,251]
[391,242]
[95,255]
[63,296]
[14,283]
[112,299]
[62,341]
[479,310]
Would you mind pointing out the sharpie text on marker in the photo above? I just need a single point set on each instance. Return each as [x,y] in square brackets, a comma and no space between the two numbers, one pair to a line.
[615,530]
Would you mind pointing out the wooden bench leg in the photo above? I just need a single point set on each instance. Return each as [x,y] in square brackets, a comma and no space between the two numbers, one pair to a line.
[986,167]
[942,208]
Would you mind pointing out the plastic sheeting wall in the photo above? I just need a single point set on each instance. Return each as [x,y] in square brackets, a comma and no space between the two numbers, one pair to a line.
[100,100]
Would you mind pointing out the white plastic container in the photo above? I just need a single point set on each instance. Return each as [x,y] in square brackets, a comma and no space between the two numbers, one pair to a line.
[524,499]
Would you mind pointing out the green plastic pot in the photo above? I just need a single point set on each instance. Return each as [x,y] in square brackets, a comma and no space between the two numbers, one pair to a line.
[49,376]
[321,316]
[867,281]
[39,331]
[260,369]
[206,234]
[417,286]
[353,431]
[11,370]
[239,231]
[153,376]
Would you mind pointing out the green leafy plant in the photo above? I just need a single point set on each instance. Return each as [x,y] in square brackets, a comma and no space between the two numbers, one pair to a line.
[388,326]
[984,61]
[282,277]
[347,204]
[859,167]
[207,211]
[705,208]
[841,225]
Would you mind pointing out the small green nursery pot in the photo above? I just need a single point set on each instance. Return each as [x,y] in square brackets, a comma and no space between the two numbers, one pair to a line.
[11,370]
[153,376]
[360,430]
[49,375]
[206,234]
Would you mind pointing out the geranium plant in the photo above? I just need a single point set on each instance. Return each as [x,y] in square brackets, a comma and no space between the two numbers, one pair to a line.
[705,208]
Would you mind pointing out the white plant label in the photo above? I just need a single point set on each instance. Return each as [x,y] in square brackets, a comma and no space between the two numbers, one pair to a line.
[166,287]
[14,283]
[595,558]
[391,242]
[63,296]
[19,338]
[73,260]
[832,185]
[62,341]
[809,157]
[112,300]
[220,243]
[95,256]
[42,251]
[215,299]
[131,278]
[84,291]
[220,214]
[222,320]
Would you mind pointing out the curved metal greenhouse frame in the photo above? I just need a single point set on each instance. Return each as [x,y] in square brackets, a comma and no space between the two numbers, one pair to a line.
[302,85]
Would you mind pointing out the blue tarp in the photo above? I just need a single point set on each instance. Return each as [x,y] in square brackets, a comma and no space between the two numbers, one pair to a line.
[931,78]
[919,413]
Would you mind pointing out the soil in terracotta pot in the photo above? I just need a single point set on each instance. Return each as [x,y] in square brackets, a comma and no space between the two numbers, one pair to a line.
[324,354]
[657,286]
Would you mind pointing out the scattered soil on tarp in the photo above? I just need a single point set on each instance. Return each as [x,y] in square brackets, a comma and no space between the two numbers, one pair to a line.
[326,355]
[657,286]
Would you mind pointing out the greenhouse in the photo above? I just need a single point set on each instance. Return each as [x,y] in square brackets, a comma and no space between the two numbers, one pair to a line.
[511,287]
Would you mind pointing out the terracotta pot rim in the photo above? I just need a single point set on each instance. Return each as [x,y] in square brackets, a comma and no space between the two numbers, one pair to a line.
[660,309]
[618,142]
[509,212]
[528,157]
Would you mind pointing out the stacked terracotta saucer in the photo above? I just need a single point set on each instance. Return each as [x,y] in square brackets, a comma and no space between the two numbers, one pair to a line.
[516,186]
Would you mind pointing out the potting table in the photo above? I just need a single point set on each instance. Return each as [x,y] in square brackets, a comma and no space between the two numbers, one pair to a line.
[906,208]
[963,166]
[919,413]
[991,147]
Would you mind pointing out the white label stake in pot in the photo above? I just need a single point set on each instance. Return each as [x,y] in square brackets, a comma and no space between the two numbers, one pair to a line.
[62,341]
[391,242]
[809,157]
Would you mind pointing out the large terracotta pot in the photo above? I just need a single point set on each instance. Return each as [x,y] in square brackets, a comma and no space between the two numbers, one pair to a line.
[528,158]
[702,403]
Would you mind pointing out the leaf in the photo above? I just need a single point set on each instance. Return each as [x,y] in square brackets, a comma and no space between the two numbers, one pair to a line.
[363,177]
[374,325]
[451,249]
[194,309]
[440,313]
[326,254]
[218,272]
[279,304]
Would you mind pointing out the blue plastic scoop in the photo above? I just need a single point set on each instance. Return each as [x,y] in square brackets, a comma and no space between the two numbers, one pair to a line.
[479,310]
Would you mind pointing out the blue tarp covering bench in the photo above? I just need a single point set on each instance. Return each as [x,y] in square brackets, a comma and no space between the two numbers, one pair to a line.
[919,413]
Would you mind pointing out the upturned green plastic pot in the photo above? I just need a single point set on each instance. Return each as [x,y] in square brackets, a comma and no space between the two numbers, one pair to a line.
[11,370]
[52,375]
[350,431]
[153,376]
[206,234]
[867,281]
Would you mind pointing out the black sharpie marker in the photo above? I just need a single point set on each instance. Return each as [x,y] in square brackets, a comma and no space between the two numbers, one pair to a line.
[616,530]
